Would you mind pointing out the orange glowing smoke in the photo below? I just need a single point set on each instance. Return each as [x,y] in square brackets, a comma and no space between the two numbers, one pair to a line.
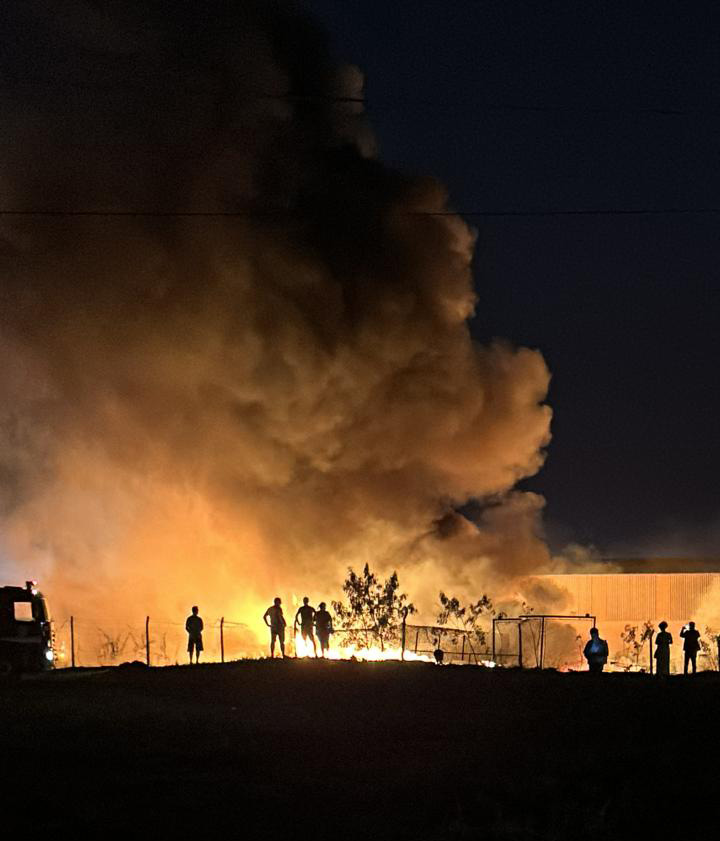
[219,410]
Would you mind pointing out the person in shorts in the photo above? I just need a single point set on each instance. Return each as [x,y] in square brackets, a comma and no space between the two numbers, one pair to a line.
[305,615]
[275,620]
[323,627]
[194,628]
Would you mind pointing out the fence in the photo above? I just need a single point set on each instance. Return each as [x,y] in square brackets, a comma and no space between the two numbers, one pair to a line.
[457,645]
[539,640]
[530,641]
[84,642]
[557,641]
[81,641]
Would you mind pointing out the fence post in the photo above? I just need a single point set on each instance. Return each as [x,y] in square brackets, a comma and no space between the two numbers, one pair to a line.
[493,647]
[72,641]
[462,652]
[147,640]
[404,622]
[520,651]
[417,635]
[718,645]
[222,640]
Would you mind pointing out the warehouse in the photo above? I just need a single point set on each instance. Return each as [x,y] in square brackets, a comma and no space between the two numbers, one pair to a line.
[623,604]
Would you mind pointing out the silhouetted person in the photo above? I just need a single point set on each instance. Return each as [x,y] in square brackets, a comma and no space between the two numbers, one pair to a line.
[663,641]
[275,620]
[323,626]
[305,615]
[691,645]
[596,651]
[194,628]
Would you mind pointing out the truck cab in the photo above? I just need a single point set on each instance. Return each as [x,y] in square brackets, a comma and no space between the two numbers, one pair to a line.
[26,630]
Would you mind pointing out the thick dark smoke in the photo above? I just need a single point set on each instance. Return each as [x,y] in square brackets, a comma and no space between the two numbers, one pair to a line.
[219,408]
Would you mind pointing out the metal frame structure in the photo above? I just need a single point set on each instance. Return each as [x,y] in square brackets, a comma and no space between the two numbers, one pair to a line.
[439,631]
[542,617]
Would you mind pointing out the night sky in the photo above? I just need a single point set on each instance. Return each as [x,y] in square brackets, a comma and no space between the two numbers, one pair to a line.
[576,106]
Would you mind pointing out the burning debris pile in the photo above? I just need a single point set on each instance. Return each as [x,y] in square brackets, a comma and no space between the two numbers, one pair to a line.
[219,408]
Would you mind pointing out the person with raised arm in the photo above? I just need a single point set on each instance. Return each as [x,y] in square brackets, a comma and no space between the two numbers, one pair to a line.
[691,645]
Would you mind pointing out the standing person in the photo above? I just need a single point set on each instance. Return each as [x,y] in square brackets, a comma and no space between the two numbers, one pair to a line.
[691,646]
[306,614]
[275,620]
[663,641]
[194,628]
[596,651]
[323,626]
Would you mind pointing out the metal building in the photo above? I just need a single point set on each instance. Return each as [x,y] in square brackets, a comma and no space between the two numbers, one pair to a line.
[629,600]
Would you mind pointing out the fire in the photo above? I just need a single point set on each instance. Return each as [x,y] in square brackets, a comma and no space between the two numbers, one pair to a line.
[303,648]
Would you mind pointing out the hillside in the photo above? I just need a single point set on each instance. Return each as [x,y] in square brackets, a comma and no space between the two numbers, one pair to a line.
[341,749]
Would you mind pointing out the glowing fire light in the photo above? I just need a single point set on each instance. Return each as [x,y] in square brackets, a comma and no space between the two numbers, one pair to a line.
[303,648]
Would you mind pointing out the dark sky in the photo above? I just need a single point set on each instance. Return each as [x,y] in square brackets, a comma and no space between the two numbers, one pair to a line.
[624,307]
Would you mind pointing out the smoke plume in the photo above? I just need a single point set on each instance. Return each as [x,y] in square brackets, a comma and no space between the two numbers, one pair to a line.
[219,409]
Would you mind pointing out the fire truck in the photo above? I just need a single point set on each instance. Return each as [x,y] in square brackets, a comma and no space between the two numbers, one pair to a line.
[26,630]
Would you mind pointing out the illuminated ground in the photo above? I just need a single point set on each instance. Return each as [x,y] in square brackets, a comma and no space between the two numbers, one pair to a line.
[381,750]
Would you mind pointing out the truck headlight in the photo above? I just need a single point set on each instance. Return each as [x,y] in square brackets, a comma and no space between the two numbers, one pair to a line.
[49,655]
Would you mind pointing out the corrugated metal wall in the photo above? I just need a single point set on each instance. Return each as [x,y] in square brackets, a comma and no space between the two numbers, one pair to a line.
[636,597]
[622,599]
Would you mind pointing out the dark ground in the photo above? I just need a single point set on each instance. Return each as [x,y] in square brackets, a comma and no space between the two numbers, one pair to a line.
[378,750]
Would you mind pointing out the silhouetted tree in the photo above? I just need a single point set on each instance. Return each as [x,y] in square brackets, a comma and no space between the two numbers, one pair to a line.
[374,610]
[459,617]
[709,647]
[634,640]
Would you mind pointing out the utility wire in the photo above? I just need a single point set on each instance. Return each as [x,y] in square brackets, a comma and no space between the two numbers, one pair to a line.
[211,214]
[289,96]
[209,91]
[668,211]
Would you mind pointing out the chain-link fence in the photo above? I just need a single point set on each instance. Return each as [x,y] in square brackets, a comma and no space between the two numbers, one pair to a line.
[456,645]
[529,641]
[404,641]
[84,642]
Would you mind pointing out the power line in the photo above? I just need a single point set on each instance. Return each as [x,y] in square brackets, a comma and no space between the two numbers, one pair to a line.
[394,101]
[667,211]
[659,111]
[143,213]
[211,214]
[209,90]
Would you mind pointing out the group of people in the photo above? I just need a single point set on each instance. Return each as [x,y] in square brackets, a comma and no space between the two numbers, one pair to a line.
[691,646]
[311,622]
[596,649]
